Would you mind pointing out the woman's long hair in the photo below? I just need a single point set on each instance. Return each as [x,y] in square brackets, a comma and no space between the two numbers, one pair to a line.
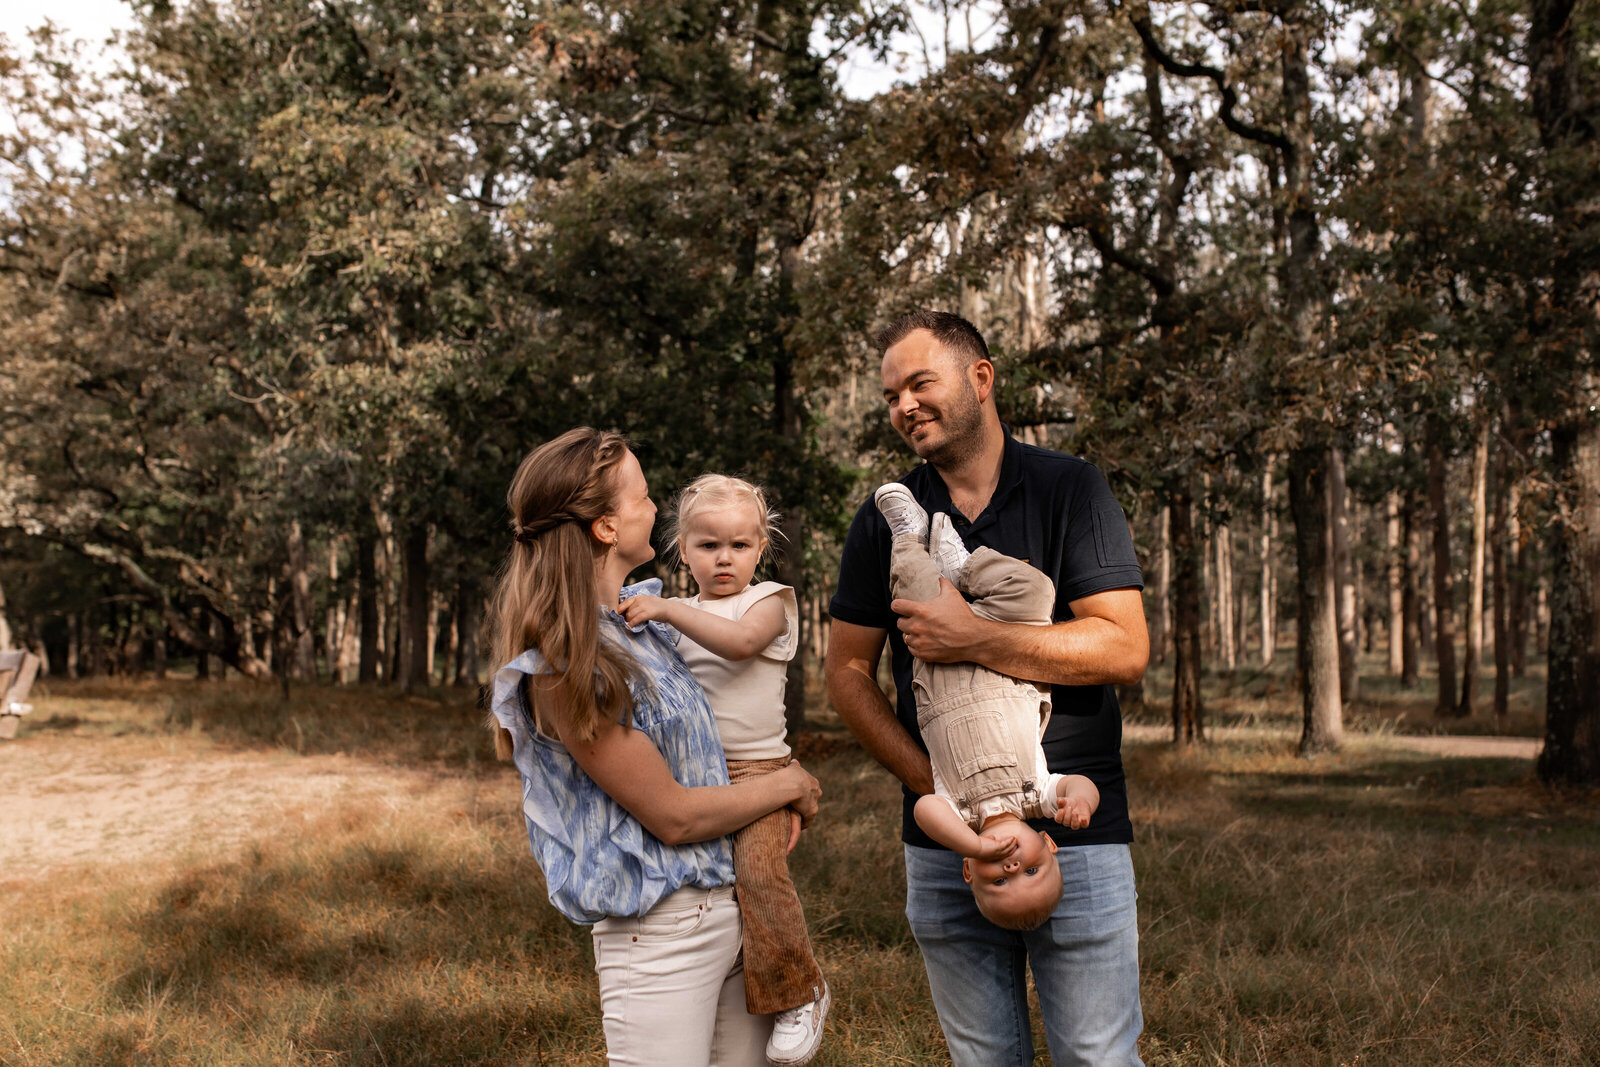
[546,596]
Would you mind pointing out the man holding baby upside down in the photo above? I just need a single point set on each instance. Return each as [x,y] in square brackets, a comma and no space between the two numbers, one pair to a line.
[1057,514]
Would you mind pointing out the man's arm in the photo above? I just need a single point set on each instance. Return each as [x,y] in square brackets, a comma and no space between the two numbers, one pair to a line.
[1105,643]
[851,670]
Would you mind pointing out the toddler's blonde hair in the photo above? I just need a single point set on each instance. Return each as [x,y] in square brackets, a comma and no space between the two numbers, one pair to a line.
[716,492]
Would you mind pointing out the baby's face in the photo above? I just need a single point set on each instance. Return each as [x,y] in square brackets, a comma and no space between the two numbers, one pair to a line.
[1030,873]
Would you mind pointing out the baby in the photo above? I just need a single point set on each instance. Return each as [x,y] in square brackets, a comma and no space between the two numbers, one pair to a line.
[982,728]
[737,639]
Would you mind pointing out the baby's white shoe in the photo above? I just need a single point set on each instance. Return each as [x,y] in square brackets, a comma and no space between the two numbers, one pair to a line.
[797,1032]
[945,545]
[905,516]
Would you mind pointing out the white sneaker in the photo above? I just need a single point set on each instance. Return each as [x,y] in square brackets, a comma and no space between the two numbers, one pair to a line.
[901,509]
[796,1033]
[944,544]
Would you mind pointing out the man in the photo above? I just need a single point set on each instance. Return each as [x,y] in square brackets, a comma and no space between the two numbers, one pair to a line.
[1057,513]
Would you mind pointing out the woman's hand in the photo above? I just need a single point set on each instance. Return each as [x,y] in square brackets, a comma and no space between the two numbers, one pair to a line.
[638,610]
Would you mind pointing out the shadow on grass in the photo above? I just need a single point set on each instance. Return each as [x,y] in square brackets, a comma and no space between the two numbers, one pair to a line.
[380,954]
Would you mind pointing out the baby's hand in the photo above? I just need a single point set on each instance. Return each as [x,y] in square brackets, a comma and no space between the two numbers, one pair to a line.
[991,849]
[643,608]
[1073,811]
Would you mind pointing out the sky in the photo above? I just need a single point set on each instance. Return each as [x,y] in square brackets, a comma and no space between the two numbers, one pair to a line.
[91,20]
[94,20]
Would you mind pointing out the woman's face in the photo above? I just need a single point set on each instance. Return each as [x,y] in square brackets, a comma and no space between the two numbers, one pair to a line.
[633,513]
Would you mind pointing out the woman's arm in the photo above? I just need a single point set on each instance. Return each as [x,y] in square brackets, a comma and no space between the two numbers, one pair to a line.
[628,766]
[734,639]
[940,822]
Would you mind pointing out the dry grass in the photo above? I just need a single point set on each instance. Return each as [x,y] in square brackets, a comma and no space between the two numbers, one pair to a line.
[1375,907]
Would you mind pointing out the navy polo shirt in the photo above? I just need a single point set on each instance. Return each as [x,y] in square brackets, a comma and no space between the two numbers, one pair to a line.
[1055,512]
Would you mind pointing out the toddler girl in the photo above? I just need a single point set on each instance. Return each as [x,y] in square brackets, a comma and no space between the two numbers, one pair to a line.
[737,639]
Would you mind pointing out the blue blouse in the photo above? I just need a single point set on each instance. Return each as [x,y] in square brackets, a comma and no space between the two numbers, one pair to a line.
[597,859]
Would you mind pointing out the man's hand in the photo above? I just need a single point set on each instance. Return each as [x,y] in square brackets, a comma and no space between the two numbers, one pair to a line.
[941,630]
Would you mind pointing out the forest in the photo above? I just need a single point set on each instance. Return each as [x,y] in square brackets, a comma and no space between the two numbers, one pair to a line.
[285,296]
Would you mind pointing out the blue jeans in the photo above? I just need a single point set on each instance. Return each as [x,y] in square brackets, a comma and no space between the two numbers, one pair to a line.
[1085,963]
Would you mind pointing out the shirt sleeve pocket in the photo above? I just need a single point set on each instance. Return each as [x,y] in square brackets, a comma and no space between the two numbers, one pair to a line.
[1113,544]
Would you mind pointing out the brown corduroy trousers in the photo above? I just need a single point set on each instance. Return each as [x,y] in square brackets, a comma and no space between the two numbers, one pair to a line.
[779,970]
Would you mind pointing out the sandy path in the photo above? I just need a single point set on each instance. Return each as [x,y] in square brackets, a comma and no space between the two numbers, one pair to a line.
[1434,744]
[75,802]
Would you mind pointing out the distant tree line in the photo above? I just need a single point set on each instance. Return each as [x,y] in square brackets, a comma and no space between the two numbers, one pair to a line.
[284,300]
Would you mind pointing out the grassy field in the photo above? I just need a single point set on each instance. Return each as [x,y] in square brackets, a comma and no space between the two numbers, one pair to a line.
[1374,907]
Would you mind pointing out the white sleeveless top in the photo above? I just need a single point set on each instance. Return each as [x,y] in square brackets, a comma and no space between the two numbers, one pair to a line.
[746,695]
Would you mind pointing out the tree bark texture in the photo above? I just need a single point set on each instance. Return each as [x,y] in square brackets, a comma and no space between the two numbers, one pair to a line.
[1224,595]
[413,669]
[1410,607]
[1317,642]
[1269,611]
[1480,515]
[1571,752]
[367,595]
[302,665]
[1444,616]
[1343,576]
[1394,581]
[1160,585]
[1497,555]
[1188,722]
[469,609]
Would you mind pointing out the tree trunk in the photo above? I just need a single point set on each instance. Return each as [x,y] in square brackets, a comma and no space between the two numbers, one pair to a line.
[74,646]
[202,658]
[1444,616]
[1572,711]
[1480,516]
[1160,584]
[367,594]
[1410,605]
[1521,557]
[1188,723]
[1224,595]
[1343,576]
[158,654]
[467,613]
[1394,570]
[5,623]
[1317,641]
[1269,612]
[302,665]
[412,668]
[1497,543]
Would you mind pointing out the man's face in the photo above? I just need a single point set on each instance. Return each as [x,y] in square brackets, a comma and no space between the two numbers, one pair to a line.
[933,400]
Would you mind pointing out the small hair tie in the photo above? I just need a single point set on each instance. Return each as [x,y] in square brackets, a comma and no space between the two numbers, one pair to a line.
[527,534]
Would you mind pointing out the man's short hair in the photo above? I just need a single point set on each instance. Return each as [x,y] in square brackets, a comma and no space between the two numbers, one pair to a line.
[958,336]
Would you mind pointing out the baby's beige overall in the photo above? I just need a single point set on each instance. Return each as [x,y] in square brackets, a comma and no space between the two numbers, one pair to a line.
[981,727]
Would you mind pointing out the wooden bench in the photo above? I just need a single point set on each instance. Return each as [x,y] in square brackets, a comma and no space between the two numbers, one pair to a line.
[18,669]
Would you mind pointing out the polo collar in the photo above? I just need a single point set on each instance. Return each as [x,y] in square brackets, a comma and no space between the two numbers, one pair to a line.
[1010,480]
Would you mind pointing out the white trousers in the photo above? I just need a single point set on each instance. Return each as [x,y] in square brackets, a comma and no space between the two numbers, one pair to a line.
[672,986]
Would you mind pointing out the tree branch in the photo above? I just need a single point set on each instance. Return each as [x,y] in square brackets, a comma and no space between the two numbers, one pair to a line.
[1230,98]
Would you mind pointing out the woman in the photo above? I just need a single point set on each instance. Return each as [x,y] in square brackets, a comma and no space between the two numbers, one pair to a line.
[625,787]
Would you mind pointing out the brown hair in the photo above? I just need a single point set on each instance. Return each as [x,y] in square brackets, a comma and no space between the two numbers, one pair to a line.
[958,336]
[546,594]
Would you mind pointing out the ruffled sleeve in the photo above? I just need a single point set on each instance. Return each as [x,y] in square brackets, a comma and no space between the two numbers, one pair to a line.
[787,643]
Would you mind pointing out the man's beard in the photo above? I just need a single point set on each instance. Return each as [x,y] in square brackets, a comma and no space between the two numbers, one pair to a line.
[962,423]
